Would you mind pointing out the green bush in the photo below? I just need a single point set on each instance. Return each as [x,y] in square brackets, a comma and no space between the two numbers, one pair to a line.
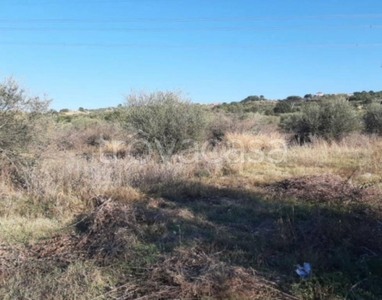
[165,120]
[253,98]
[373,119]
[331,120]
[294,99]
[114,116]
[282,107]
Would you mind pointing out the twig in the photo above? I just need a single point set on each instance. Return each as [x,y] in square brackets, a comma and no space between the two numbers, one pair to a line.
[112,291]
[280,292]
[355,286]
[83,219]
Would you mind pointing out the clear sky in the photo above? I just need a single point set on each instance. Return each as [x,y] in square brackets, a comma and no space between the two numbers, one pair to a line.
[90,53]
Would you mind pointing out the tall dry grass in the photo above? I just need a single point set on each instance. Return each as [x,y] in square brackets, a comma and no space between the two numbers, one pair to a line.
[62,182]
[259,141]
[354,152]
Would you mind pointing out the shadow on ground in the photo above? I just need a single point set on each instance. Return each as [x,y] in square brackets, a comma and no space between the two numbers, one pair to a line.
[343,243]
[191,240]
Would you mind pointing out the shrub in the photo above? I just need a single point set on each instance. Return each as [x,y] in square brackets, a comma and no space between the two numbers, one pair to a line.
[331,120]
[373,119]
[367,101]
[20,126]
[165,120]
[18,116]
[234,107]
[269,112]
[282,107]
[114,116]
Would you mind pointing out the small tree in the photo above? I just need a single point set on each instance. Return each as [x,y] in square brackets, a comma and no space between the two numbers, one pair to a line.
[165,120]
[373,119]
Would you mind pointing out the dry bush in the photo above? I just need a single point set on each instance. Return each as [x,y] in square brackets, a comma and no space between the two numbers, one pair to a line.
[114,148]
[81,137]
[194,274]
[19,114]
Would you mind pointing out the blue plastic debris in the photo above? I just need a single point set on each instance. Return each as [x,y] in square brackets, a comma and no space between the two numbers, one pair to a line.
[304,270]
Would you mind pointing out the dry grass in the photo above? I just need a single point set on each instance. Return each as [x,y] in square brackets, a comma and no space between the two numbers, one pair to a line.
[253,123]
[116,227]
[249,142]
[80,280]
[26,230]
[193,274]
[66,183]
[325,188]
[114,231]
[114,149]
[356,151]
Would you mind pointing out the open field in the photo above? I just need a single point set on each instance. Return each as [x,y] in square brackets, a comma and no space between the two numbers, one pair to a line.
[190,150]
[165,199]
[88,224]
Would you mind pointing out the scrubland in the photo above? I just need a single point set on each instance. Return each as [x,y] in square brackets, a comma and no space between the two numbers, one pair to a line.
[88,217]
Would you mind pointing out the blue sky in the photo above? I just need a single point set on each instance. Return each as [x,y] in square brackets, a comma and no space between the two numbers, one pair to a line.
[91,53]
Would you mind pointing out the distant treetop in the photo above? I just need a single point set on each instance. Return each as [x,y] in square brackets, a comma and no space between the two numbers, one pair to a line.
[253,98]
[366,96]
[294,99]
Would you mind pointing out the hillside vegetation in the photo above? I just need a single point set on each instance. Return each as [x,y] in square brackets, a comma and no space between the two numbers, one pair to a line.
[290,104]
[164,199]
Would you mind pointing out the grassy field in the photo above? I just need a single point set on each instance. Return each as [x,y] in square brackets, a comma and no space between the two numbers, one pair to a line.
[227,222]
